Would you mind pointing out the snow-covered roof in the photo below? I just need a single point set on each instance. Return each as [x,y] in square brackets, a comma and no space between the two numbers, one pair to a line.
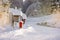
[24,16]
[17,12]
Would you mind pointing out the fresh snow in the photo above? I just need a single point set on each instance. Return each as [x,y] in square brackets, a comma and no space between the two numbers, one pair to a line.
[54,20]
[32,31]
[17,12]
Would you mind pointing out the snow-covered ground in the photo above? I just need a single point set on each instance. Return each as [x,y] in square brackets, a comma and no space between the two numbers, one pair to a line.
[32,31]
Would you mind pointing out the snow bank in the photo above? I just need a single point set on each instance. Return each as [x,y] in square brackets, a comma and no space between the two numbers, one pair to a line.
[53,21]
[18,32]
[24,31]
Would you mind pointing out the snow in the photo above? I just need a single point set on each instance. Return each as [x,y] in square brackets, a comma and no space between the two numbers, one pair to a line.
[24,16]
[32,31]
[23,0]
[17,12]
[54,20]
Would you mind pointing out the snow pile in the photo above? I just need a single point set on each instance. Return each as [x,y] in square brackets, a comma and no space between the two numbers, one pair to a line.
[18,32]
[31,29]
[24,31]
[53,21]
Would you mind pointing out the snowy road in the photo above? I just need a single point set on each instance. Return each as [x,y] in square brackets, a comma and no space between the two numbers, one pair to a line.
[32,31]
